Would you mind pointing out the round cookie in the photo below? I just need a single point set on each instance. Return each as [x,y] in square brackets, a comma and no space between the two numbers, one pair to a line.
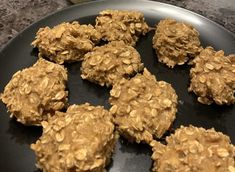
[110,63]
[194,149]
[66,42]
[116,25]
[143,108]
[82,139]
[213,77]
[175,43]
[35,93]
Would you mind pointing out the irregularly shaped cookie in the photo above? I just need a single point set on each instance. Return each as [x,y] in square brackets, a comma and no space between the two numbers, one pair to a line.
[82,139]
[213,77]
[143,108]
[194,149]
[110,63]
[66,42]
[116,25]
[175,42]
[35,93]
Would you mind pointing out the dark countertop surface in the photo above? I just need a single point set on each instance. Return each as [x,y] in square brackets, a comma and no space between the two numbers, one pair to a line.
[15,15]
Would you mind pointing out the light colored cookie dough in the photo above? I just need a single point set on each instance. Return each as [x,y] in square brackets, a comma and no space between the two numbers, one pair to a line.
[213,77]
[193,149]
[175,43]
[110,63]
[116,25]
[66,42]
[35,93]
[143,108]
[82,140]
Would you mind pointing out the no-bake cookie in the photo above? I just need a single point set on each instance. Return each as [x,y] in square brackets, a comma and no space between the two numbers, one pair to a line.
[213,77]
[35,93]
[143,108]
[66,42]
[116,25]
[194,149]
[82,139]
[110,63]
[175,42]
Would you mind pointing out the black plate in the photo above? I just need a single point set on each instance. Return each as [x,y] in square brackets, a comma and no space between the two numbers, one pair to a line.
[15,154]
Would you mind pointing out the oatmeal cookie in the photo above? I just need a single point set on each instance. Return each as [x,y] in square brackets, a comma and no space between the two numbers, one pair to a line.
[175,43]
[143,108]
[110,63]
[116,25]
[194,149]
[82,139]
[66,42]
[213,77]
[35,93]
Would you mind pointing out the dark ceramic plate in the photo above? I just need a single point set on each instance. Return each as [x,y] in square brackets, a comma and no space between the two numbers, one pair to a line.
[15,153]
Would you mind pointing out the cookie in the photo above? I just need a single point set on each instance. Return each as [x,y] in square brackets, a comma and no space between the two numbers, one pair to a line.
[117,25]
[194,149]
[66,42]
[143,108]
[81,139]
[35,93]
[175,42]
[213,77]
[110,63]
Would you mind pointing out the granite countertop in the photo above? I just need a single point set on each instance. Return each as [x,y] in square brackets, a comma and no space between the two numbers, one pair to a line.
[15,15]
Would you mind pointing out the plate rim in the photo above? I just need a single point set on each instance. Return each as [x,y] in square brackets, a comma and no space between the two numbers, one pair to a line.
[25,30]
[100,1]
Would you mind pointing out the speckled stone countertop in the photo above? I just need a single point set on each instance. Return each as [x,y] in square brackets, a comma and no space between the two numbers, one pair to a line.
[15,15]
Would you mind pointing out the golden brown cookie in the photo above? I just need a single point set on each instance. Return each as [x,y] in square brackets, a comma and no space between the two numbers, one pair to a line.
[66,42]
[194,149]
[110,63]
[213,77]
[143,108]
[116,25]
[175,42]
[82,139]
[35,93]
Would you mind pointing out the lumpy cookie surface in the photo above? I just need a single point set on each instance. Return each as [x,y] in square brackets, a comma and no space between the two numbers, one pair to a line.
[143,108]
[213,77]
[82,139]
[110,63]
[66,42]
[175,43]
[35,93]
[193,149]
[116,25]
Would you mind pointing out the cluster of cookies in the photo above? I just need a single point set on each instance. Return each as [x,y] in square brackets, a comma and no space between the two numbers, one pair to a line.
[82,137]
[213,73]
